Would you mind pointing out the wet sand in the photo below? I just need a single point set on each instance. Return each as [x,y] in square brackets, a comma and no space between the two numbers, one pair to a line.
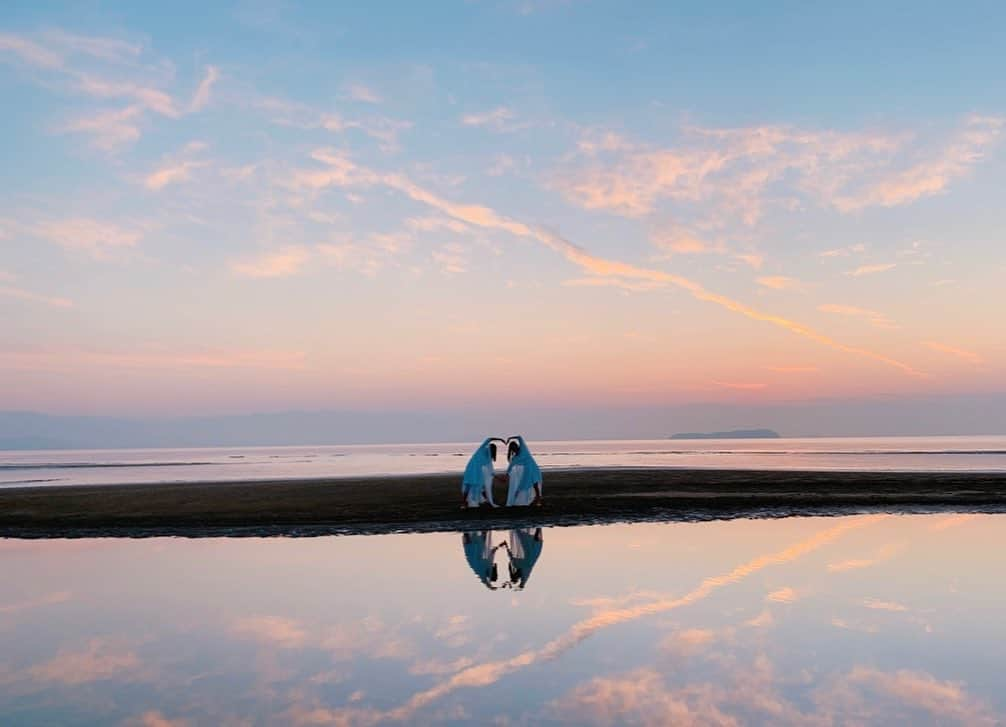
[432,502]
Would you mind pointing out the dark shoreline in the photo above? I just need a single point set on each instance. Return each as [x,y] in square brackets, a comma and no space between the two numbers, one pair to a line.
[424,503]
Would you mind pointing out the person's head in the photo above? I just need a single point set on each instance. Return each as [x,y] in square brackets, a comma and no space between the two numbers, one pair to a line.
[492,450]
[513,449]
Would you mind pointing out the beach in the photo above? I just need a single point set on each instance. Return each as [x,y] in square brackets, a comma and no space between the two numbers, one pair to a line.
[431,502]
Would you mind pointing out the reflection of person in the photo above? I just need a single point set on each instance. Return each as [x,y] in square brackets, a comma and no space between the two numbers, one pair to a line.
[477,483]
[523,475]
[480,554]
[524,550]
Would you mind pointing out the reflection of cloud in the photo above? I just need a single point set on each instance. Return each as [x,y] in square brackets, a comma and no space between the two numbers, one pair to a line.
[751,694]
[782,595]
[370,637]
[944,700]
[765,618]
[440,668]
[100,660]
[33,603]
[881,555]
[605,603]
[490,672]
[884,605]
[282,632]
[687,642]
[953,521]
[455,632]
[155,718]
[641,697]
[841,623]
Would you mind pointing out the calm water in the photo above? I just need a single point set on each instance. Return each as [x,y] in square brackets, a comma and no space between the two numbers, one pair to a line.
[252,463]
[874,619]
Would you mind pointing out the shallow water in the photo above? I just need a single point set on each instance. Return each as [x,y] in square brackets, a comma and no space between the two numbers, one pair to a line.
[877,619]
[77,467]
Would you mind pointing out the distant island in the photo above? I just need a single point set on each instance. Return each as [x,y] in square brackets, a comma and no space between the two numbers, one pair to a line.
[733,434]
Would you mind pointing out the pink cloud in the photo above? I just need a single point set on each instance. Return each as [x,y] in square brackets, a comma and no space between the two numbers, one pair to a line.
[780,282]
[100,240]
[969,356]
[280,264]
[872,269]
[201,98]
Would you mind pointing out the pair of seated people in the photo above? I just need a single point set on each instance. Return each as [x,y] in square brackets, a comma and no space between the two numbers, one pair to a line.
[523,475]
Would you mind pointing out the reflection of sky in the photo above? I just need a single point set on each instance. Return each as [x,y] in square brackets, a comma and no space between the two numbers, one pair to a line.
[797,621]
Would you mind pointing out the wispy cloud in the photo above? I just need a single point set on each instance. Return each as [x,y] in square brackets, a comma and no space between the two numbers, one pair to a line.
[172,173]
[499,118]
[201,98]
[884,605]
[100,240]
[878,320]
[782,595]
[278,264]
[283,633]
[67,358]
[969,356]
[10,291]
[844,251]
[363,93]
[780,282]
[100,659]
[30,52]
[932,175]
[792,369]
[872,269]
[732,175]
[108,130]
[342,171]
[740,385]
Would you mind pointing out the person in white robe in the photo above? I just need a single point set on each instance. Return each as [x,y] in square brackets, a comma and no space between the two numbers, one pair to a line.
[523,475]
[477,482]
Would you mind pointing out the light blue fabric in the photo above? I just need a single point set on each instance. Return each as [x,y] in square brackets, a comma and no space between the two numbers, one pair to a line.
[478,477]
[479,553]
[523,473]
[525,549]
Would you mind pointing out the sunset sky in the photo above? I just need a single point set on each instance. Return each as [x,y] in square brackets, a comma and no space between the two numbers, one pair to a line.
[258,206]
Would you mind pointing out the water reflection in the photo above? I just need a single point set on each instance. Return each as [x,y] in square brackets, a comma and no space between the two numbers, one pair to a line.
[522,548]
[808,621]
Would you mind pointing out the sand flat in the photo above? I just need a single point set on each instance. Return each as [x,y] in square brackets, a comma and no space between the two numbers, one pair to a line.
[431,502]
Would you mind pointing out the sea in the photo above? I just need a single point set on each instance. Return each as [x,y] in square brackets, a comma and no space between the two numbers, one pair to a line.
[221,464]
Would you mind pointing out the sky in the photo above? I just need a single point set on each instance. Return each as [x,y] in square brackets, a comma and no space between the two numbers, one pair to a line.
[215,208]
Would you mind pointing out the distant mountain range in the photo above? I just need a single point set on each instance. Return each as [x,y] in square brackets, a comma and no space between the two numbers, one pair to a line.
[732,434]
[970,414]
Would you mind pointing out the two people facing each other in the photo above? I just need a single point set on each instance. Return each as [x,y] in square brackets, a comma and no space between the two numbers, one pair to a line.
[523,475]
[522,550]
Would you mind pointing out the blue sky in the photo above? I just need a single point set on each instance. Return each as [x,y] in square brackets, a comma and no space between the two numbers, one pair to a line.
[263,206]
